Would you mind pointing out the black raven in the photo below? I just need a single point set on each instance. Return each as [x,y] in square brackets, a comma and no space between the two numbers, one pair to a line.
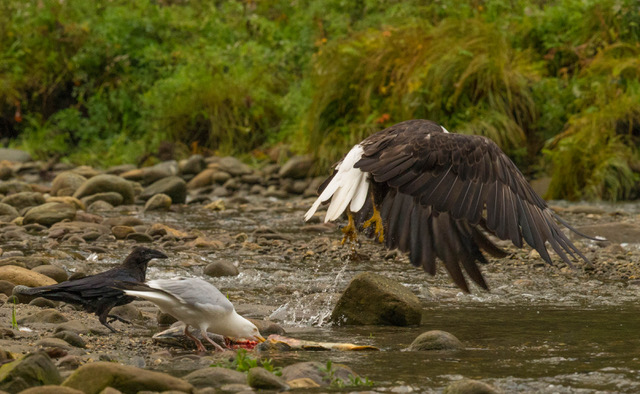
[96,293]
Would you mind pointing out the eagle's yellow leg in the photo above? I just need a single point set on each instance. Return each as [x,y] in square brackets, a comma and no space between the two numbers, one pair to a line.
[377,219]
[349,231]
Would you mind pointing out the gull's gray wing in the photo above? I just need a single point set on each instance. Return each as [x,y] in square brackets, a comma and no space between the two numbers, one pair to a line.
[195,291]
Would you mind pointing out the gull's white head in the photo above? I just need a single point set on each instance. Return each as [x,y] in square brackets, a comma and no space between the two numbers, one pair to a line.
[243,328]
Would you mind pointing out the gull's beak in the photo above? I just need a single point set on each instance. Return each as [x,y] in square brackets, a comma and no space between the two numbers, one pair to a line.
[260,338]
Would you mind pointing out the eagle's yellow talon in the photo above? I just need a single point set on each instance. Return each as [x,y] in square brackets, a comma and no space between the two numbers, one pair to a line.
[377,219]
[349,231]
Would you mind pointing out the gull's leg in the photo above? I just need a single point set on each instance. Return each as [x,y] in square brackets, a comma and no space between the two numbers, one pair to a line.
[349,230]
[199,344]
[377,219]
[215,345]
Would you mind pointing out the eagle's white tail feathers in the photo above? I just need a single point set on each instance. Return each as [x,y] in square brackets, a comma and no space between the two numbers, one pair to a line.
[349,185]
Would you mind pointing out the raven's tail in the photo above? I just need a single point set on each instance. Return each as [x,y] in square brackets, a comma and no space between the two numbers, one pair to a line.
[30,291]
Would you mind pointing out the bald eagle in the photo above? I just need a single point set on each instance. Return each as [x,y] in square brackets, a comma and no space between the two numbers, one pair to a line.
[436,194]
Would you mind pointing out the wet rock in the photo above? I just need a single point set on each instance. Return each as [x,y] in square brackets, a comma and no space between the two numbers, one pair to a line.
[7,212]
[23,200]
[251,179]
[267,327]
[165,319]
[44,316]
[68,200]
[220,177]
[51,389]
[121,232]
[120,169]
[159,202]
[69,362]
[123,221]
[214,377]
[6,287]
[53,343]
[14,186]
[86,171]
[470,386]
[233,166]
[260,378]
[435,340]
[236,388]
[6,172]
[42,302]
[52,271]
[127,312]
[221,268]
[99,206]
[66,183]
[95,377]
[112,198]
[106,183]
[273,191]
[193,165]
[145,176]
[296,187]
[163,229]
[174,187]
[203,179]
[61,229]
[35,369]
[372,299]
[73,326]
[140,237]
[316,371]
[302,383]
[297,167]
[71,338]
[23,276]
[50,213]
[14,155]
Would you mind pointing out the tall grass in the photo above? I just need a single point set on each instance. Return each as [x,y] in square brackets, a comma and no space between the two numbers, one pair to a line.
[461,73]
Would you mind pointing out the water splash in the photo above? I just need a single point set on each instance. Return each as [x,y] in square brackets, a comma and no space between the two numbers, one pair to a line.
[313,310]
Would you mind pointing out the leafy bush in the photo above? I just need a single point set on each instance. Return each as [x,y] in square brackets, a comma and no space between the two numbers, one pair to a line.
[109,82]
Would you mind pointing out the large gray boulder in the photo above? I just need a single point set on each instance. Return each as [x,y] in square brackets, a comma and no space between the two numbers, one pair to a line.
[35,369]
[372,299]
[106,183]
[95,377]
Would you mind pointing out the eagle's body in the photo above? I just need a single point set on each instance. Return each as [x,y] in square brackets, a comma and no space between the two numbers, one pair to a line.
[437,194]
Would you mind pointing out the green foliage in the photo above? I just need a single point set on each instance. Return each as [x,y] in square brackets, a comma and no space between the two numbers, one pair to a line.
[14,320]
[106,83]
[354,381]
[243,362]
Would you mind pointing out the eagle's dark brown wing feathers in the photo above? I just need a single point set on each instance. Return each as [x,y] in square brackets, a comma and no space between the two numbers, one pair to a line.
[463,181]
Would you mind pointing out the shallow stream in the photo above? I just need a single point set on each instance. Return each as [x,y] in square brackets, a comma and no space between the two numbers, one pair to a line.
[539,329]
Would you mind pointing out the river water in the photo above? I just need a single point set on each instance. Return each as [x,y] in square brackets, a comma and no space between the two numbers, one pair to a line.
[539,329]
